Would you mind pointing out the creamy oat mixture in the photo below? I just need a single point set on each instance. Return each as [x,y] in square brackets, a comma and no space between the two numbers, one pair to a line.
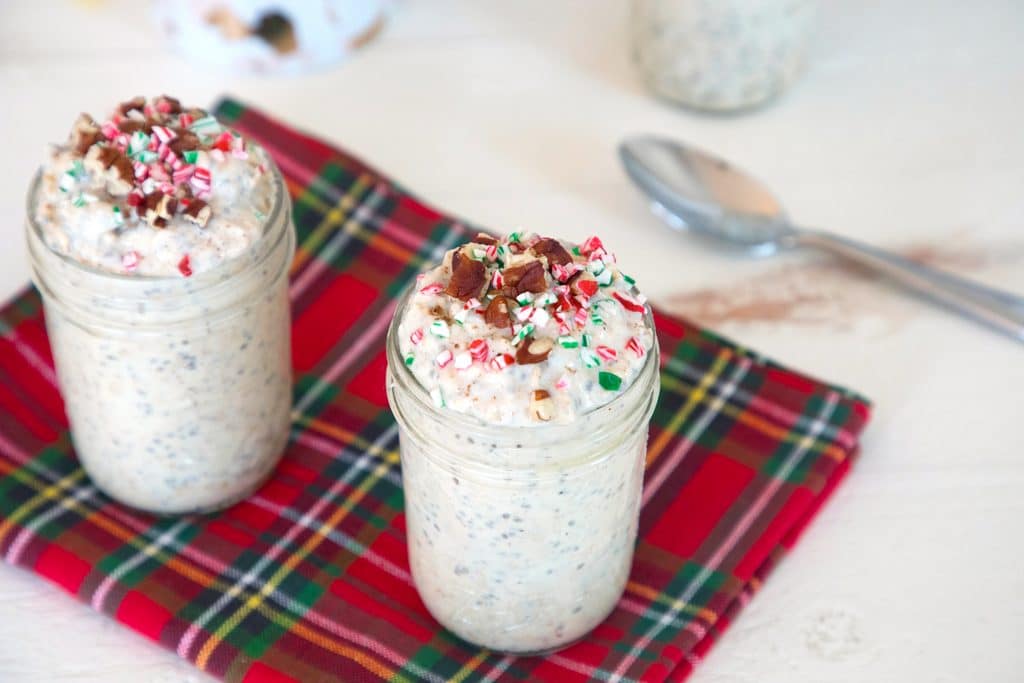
[525,329]
[153,189]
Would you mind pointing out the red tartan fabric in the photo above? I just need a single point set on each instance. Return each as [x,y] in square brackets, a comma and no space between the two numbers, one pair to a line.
[308,579]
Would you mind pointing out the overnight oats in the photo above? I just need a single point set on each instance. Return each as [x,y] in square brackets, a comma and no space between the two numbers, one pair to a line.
[160,241]
[523,373]
[721,55]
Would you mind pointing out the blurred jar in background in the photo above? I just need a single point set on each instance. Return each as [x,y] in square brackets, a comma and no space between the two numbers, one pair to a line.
[268,36]
[720,55]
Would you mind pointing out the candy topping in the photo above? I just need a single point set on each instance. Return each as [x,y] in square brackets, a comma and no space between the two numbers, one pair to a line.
[526,311]
[153,155]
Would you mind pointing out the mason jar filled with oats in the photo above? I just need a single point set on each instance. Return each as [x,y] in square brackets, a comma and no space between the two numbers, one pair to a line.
[523,373]
[160,242]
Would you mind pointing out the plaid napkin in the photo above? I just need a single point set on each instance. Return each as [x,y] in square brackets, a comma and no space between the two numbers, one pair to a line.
[308,580]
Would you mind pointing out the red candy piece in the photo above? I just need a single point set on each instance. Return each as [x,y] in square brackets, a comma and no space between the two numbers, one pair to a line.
[628,303]
[588,287]
[634,345]
[503,361]
[590,244]
[606,352]
[130,260]
[185,266]
[479,350]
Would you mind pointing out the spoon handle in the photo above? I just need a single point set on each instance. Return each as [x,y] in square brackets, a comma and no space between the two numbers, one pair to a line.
[998,309]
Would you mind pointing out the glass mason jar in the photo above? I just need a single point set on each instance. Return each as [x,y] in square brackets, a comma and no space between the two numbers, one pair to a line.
[520,538]
[721,55]
[178,390]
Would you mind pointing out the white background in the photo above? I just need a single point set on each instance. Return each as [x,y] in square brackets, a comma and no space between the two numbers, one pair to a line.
[907,130]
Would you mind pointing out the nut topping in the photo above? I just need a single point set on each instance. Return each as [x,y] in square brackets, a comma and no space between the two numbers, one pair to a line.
[528,277]
[481,238]
[136,103]
[115,167]
[498,313]
[157,208]
[84,133]
[468,277]
[542,408]
[532,350]
[553,250]
[197,212]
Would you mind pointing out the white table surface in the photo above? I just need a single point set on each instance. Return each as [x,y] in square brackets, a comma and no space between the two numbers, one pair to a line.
[907,130]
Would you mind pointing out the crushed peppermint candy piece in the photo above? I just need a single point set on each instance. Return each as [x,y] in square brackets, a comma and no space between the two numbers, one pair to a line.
[479,350]
[636,347]
[629,303]
[439,328]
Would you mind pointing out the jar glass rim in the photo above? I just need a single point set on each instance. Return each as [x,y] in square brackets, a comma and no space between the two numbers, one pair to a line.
[213,275]
[408,383]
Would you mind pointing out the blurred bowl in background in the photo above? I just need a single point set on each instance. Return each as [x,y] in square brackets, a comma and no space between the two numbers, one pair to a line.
[268,36]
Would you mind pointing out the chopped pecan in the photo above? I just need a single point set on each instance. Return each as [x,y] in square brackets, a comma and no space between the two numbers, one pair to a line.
[136,103]
[129,126]
[167,105]
[481,238]
[197,212]
[528,277]
[542,408]
[532,350]
[114,166]
[186,141]
[157,208]
[498,313]
[553,250]
[468,277]
[84,134]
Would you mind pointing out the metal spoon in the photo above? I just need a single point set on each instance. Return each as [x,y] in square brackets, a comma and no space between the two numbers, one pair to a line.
[694,190]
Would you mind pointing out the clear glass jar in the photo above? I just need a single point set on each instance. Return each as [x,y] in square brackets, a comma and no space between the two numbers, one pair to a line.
[520,538]
[178,390]
[721,55]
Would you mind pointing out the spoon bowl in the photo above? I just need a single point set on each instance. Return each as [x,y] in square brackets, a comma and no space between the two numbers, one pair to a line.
[697,191]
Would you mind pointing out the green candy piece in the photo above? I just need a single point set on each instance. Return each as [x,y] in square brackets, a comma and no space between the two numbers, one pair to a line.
[137,143]
[523,333]
[409,359]
[590,359]
[609,380]
[628,279]
[191,156]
